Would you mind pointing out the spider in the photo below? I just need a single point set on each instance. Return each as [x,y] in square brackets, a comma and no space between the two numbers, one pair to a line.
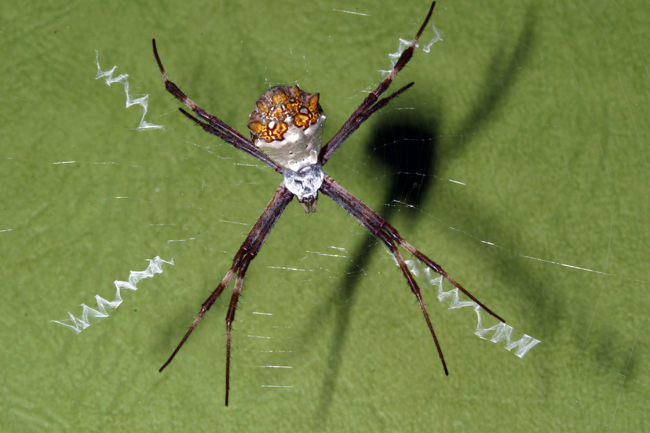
[286,128]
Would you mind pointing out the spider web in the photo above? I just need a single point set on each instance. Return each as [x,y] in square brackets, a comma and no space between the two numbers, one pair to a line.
[518,161]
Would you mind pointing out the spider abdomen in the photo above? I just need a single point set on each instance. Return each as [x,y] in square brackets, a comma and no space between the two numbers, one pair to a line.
[287,125]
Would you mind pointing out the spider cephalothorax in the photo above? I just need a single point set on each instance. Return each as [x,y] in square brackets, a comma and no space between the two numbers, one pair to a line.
[287,130]
[287,125]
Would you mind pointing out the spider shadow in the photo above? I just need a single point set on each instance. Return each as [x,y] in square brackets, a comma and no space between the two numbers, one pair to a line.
[402,146]
[402,139]
[522,281]
[501,74]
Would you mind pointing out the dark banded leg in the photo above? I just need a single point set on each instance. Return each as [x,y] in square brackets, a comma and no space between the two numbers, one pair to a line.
[246,253]
[384,231]
[370,104]
[218,127]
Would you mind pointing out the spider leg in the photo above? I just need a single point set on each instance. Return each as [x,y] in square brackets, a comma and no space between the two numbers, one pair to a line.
[389,235]
[207,304]
[436,268]
[219,127]
[368,106]
[244,256]
[212,130]
[414,288]
[230,317]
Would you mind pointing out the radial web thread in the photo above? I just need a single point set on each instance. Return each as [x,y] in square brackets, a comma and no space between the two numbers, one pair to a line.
[104,307]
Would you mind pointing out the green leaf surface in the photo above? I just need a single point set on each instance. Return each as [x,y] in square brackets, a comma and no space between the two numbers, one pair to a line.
[523,170]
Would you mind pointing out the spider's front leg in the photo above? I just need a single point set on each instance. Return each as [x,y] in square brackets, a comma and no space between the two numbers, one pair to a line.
[387,233]
[246,253]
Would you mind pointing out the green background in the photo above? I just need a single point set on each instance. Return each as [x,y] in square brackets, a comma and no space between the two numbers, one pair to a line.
[537,201]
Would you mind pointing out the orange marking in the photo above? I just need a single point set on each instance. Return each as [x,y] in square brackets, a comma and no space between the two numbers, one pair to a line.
[283,105]
[277,133]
